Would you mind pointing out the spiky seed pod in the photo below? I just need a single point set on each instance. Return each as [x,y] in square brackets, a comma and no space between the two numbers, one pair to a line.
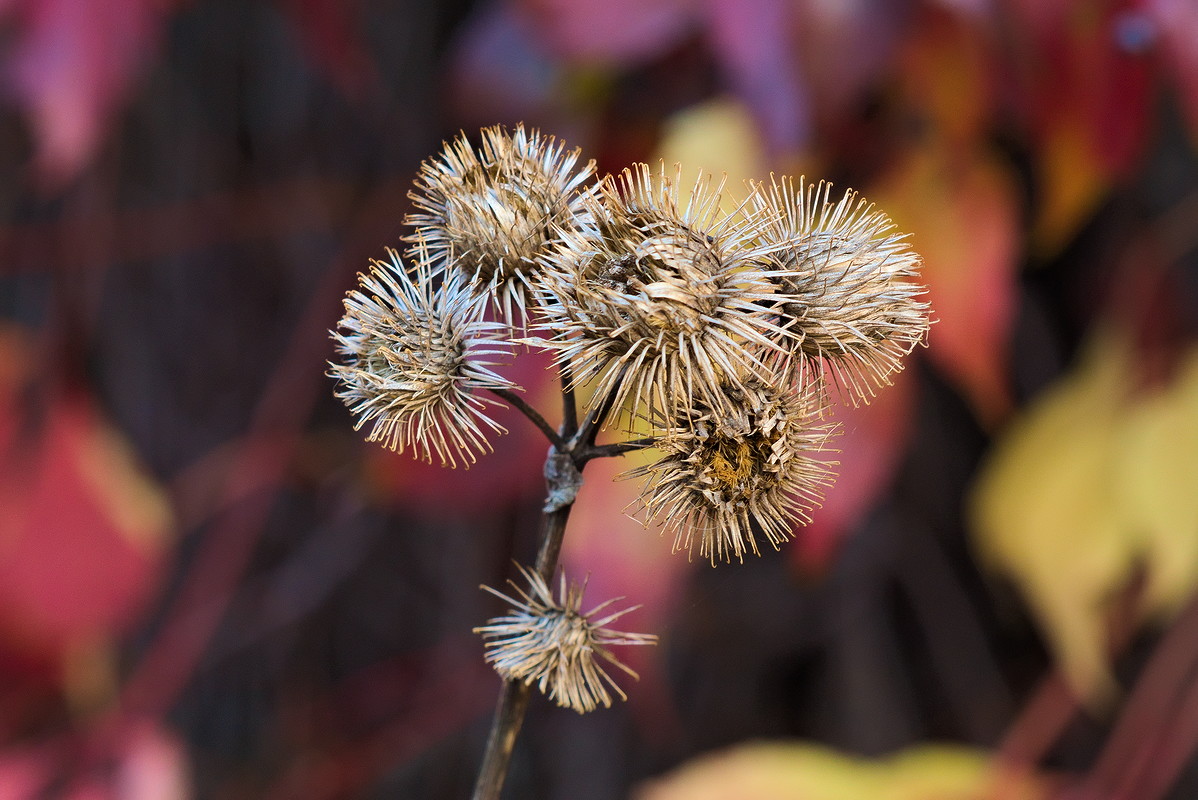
[413,359]
[551,642]
[749,459]
[491,212]
[661,300]
[848,283]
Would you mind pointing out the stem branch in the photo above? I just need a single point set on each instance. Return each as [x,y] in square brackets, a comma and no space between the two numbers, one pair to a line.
[618,449]
[573,447]
[524,408]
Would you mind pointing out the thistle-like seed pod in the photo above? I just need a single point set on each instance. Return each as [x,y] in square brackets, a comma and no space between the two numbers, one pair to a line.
[747,459]
[551,642]
[491,213]
[847,283]
[662,301]
[413,359]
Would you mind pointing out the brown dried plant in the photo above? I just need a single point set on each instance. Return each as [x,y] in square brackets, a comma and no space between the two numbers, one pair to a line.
[713,329]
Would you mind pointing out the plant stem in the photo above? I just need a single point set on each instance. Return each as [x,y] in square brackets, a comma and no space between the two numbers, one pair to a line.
[513,697]
[618,449]
[561,471]
[535,416]
[569,403]
[573,447]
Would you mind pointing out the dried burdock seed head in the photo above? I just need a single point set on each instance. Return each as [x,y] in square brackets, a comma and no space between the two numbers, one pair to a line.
[749,459]
[551,642]
[660,299]
[847,283]
[413,358]
[490,213]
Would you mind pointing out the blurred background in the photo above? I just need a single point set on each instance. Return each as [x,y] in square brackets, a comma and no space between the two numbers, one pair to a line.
[211,587]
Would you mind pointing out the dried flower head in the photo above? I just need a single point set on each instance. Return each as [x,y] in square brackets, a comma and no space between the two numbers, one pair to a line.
[491,212]
[663,301]
[413,359]
[724,467]
[554,644]
[848,290]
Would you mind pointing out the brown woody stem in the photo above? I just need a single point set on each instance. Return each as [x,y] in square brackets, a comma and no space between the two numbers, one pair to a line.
[563,476]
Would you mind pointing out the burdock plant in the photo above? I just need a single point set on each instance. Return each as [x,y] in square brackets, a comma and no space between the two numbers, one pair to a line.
[716,338]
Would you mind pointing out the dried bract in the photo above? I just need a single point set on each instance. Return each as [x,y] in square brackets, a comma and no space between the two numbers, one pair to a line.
[847,283]
[490,213]
[551,642]
[413,358]
[662,301]
[749,459]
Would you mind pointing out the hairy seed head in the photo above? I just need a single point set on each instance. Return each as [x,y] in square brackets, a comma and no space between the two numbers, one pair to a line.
[662,300]
[847,283]
[492,212]
[551,642]
[748,459]
[413,358]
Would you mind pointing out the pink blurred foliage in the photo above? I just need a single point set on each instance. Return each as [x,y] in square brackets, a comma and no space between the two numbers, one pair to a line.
[618,32]
[70,67]
[140,760]
[870,441]
[510,474]
[622,557]
[70,570]
[750,39]
[963,210]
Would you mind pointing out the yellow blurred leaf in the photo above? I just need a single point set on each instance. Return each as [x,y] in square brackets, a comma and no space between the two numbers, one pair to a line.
[718,137]
[137,505]
[1158,478]
[1093,483]
[786,771]
[1044,510]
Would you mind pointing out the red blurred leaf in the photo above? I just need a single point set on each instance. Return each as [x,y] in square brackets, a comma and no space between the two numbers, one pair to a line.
[83,531]
[623,557]
[1177,24]
[1092,119]
[332,42]
[949,73]
[960,208]
[69,68]
[24,772]
[872,438]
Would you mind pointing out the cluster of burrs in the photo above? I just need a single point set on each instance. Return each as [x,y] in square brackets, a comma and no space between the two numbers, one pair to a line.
[714,335]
